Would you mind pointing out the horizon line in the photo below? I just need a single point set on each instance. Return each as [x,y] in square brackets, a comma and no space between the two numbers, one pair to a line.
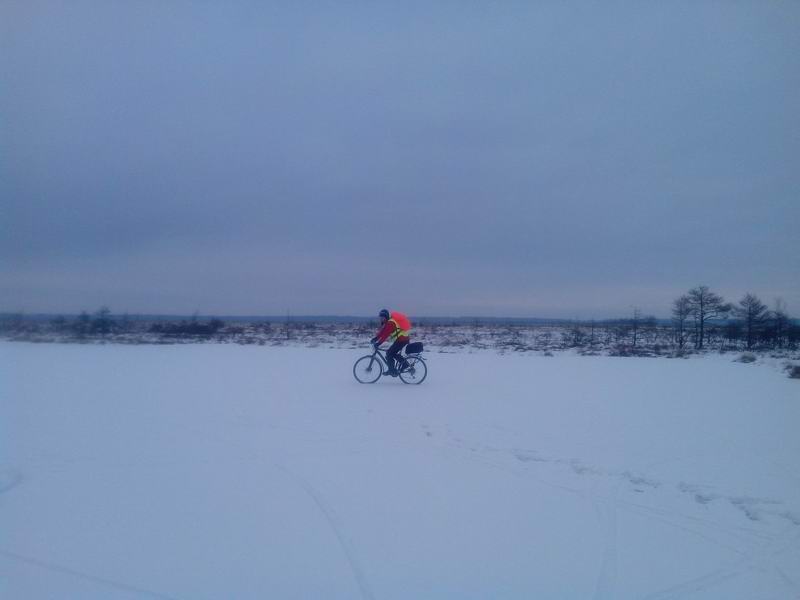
[309,316]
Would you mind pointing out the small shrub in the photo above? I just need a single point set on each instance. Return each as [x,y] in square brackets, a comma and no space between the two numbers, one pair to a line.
[794,371]
[746,358]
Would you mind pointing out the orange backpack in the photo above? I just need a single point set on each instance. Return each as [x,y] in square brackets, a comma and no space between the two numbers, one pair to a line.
[402,321]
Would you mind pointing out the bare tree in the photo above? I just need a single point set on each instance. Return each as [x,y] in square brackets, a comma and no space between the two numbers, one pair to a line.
[82,324]
[779,323]
[681,310]
[650,329]
[576,337]
[705,306]
[102,322]
[753,314]
[637,317]
[733,332]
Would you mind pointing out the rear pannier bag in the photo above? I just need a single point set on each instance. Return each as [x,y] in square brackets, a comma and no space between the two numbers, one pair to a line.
[414,348]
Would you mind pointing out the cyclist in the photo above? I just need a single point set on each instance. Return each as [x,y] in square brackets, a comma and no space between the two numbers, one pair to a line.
[395,326]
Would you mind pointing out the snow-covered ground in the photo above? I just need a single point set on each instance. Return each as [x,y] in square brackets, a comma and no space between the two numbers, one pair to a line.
[238,472]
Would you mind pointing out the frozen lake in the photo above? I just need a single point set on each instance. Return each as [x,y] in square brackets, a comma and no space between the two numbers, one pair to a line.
[218,471]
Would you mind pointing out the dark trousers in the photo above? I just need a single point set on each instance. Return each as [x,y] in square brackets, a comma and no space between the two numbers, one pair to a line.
[392,353]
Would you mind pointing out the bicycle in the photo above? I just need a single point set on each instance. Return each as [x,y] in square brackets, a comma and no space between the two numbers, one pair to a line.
[412,367]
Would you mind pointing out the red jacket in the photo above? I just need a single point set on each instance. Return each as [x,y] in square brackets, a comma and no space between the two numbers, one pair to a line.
[387,330]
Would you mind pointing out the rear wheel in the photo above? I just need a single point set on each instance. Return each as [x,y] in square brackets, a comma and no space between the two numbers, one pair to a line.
[415,372]
[368,369]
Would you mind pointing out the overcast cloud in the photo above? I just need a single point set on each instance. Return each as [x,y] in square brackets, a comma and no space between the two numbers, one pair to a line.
[446,158]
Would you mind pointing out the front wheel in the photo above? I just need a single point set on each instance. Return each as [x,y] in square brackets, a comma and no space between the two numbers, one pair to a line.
[368,369]
[415,371]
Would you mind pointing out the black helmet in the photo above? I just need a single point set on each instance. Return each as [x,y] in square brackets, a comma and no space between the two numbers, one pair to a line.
[384,314]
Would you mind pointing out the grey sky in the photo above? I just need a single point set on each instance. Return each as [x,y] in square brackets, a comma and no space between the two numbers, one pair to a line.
[449,158]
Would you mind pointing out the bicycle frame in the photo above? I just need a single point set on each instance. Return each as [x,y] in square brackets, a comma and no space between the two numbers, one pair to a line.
[381,354]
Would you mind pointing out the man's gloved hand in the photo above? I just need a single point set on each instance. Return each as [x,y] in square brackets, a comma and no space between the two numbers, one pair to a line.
[373,341]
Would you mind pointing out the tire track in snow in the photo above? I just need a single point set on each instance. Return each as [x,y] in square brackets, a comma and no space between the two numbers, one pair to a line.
[758,560]
[605,504]
[606,582]
[330,516]
[9,479]
[753,508]
[748,547]
[666,516]
[699,584]
[790,583]
[109,583]
[607,579]
[756,548]
[338,530]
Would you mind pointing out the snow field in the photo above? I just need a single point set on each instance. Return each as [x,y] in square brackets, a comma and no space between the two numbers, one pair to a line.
[218,471]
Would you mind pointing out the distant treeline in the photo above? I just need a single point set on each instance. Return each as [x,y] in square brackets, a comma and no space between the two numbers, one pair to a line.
[701,313]
[103,322]
[700,319]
